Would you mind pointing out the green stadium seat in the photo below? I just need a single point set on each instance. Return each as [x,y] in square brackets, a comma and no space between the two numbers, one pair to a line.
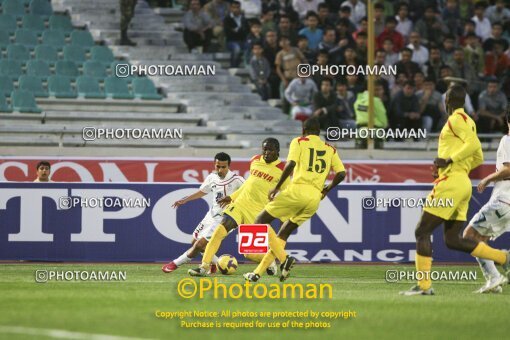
[75,53]
[95,69]
[6,86]
[82,38]
[33,22]
[88,87]
[60,87]
[54,38]
[5,40]
[117,88]
[18,52]
[24,101]
[8,23]
[38,68]
[32,84]
[3,104]
[13,7]
[102,54]
[61,23]
[41,7]
[26,37]
[66,68]
[10,68]
[144,88]
[47,53]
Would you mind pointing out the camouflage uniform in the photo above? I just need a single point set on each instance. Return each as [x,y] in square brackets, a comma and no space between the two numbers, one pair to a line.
[127,10]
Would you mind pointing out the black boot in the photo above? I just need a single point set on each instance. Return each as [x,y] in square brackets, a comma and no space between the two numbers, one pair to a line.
[124,40]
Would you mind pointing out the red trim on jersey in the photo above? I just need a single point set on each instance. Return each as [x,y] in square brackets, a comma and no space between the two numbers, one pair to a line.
[463,116]
[229,181]
[451,129]
[281,165]
[440,179]
[256,157]
[303,138]
[331,146]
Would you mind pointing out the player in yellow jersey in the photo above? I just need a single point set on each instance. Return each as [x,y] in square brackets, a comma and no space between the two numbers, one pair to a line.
[311,160]
[265,171]
[459,151]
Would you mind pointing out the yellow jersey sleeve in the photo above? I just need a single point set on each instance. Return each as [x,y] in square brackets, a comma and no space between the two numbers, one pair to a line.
[336,163]
[465,132]
[294,151]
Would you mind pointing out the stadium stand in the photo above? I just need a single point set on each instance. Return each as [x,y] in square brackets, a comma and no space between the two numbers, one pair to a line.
[86,33]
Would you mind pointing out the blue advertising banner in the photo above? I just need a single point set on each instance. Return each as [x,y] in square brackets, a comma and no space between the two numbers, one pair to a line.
[135,222]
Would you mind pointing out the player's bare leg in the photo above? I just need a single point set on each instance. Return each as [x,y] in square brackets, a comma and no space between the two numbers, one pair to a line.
[428,223]
[226,225]
[488,267]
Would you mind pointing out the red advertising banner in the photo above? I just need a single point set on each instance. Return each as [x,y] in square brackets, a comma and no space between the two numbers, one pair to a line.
[67,169]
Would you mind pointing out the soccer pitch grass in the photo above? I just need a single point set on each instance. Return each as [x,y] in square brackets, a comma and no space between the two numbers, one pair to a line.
[127,308]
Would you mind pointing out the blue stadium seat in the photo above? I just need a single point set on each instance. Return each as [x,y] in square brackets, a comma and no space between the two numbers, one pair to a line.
[144,88]
[102,54]
[82,38]
[88,87]
[6,85]
[117,88]
[5,40]
[60,87]
[54,37]
[38,68]
[32,84]
[3,104]
[47,53]
[18,52]
[61,23]
[75,53]
[10,68]
[66,68]
[33,22]
[13,7]
[8,23]
[24,101]
[94,69]
[26,37]
[41,7]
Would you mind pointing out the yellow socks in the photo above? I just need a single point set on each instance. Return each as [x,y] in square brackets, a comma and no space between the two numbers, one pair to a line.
[214,244]
[276,246]
[424,265]
[484,251]
[255,257]
[268,259]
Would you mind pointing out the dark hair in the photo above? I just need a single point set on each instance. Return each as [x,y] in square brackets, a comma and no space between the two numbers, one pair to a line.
[310,14]
[508,114]
[222,157]
[391,19]
[470,22]
[406,49]
[257,44]
[409,83]
[497,23]
[361,34]
[458,92]
[330,81]
[312,125]
[363,19]
[323,51]
[492,80]
[254,22]
[272,141]
[402,4]
[284,16]
[379,6]
[323,5]
[481,4]
[302,37]
[345,9]
[442,67]
[430,80]
[43,163]
[471,35]
[235,2]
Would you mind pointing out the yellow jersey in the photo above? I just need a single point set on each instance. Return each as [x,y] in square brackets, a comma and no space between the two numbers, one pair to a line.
[458,141]
[253,194]
[314,160]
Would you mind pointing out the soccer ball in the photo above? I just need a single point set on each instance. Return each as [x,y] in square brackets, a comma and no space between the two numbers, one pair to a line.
[227,264]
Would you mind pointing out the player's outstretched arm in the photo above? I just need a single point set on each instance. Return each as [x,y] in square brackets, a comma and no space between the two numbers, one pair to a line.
[339,177]
[494,177]
[289,167]
[182,201]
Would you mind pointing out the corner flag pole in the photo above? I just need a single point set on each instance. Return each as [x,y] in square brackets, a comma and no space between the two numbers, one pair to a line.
[370,59]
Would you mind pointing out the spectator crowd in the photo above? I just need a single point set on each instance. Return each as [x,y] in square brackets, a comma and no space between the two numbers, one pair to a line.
[432,43]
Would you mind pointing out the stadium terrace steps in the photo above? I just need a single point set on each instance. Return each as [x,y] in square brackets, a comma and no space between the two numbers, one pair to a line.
[109,105]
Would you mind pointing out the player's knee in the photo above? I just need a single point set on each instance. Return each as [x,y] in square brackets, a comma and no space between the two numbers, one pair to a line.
[420,233]
[453,242]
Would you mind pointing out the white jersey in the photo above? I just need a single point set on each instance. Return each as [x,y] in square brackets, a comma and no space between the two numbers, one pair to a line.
[220,188]
[502,187]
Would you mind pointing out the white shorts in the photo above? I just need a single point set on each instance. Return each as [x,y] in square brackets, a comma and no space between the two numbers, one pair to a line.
[493,219]
[206,227]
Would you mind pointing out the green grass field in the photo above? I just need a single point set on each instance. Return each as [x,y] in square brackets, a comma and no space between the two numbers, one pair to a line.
[127,309]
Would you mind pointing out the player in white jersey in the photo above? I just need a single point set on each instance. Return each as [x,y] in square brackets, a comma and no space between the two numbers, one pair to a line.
[493,219]
[221,183]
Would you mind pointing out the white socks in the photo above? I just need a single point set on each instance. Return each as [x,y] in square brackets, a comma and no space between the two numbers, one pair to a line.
[183,259]
[488,268]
